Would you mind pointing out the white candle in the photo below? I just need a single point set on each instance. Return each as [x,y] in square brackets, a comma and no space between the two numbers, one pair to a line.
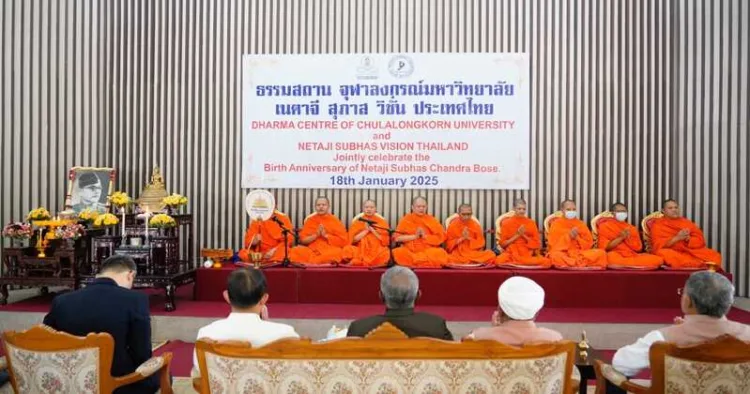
[122,211]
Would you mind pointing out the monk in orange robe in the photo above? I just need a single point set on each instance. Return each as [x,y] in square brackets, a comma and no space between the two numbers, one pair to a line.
[570,242]
[679,241]
[322,237]
[421,236]
[622,243]
[265,236]
[369,245]
[465,239]
[519,239]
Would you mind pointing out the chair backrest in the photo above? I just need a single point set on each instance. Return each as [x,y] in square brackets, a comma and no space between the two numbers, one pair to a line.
[646,224]
[598,219]
[451,218]
[42,360]
[385,361]
[718,366]
[354,219]
[549,220]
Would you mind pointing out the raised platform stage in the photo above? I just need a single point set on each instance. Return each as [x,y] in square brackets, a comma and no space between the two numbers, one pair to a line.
[445,287]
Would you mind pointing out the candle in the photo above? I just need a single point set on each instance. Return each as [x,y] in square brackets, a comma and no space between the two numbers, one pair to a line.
[148,214]
[122,211]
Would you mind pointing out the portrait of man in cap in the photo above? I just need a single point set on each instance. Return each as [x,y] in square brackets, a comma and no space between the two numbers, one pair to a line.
[89,189]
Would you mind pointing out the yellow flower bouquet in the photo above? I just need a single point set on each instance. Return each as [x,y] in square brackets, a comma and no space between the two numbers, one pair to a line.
[119,199]
[88,215]
[175,201]
[39,214]
[162,220]
[105,220]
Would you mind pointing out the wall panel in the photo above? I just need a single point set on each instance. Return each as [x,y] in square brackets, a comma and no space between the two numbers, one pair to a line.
[631,101]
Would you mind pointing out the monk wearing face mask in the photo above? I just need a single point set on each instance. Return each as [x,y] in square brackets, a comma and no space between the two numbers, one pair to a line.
[570,242]
[622,243]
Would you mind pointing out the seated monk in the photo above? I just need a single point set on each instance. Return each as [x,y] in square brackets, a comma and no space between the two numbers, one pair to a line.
[421,236]
[570,242]
[519,239]
[465,239]
[679,241]
[622,243]
[322,237]
[369,245]
[265,236]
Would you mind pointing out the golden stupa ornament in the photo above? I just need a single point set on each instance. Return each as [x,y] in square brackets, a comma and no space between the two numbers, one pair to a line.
[583,346]
[153,194]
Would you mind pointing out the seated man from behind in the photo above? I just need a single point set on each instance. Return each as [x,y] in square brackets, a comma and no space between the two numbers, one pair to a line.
[520,299]
[399,290]
[108,305]
[706,299]
[247,293]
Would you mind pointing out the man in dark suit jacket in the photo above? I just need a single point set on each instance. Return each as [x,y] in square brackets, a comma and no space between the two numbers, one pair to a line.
[399,290]
[108,305]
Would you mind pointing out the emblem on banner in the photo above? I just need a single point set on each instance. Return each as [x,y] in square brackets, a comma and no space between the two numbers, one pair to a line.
[401,66]
[260,204]
[366,70]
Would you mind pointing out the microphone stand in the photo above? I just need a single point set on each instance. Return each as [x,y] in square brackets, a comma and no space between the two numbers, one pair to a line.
[391,261]
[286,263]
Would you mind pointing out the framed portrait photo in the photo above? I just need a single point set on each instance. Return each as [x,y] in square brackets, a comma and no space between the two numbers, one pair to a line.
[89,188]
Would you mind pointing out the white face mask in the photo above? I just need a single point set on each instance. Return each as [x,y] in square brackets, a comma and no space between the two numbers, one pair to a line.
[571,214]
[621,216]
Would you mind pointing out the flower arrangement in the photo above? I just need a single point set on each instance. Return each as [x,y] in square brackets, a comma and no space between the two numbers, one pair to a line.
[119,199]
[17,230]
[70,231]
[39,214]
[162,220]
[106,219]
[175,201]
[88,215]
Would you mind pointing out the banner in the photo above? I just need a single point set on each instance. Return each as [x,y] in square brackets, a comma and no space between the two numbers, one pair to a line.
[397,121]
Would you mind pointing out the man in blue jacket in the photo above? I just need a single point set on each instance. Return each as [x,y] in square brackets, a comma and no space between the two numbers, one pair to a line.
[108,305]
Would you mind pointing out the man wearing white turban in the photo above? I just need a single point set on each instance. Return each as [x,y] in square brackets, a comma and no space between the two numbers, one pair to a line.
[520,300]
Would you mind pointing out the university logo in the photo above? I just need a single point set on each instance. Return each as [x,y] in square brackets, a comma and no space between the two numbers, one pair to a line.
[366,70]
[401,66]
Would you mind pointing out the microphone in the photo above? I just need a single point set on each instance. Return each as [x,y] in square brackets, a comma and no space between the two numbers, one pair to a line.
[277,220]
[368,221]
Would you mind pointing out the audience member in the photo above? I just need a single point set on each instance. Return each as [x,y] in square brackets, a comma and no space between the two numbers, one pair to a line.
[706,299]
[399,290]
[247,293]
[108,305]
[520,299]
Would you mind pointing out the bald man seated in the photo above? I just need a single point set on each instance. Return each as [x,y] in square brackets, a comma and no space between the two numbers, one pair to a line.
[679,241]
[465,239]
[420,235]
[323,237]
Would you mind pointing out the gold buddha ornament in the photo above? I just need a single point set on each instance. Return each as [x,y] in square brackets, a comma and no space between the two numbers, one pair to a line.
[154,192]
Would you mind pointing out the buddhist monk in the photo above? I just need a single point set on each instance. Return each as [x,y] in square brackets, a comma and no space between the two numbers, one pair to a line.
[679,241]
[323,236]
[265,236]
[369,245]
[465,239]
[421,236]
[520,241]
[570,242]
[622,243]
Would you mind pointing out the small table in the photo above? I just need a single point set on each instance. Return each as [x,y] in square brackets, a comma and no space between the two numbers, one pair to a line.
[586,367]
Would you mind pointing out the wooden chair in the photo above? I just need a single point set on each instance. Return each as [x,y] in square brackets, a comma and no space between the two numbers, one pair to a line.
[718,366]
[598,219]
[42,360]
[384,361]
[646,224]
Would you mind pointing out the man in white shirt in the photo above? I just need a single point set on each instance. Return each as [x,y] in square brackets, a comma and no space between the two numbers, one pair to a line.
[706,299]
[247,294]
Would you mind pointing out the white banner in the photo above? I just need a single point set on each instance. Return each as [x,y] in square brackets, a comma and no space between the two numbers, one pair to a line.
[421,120]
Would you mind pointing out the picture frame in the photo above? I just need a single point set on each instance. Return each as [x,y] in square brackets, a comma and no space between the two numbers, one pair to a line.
[89,188]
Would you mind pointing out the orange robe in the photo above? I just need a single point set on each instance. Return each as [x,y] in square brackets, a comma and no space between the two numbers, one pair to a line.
[323,250]
[691,253]
[567,253]
[271,237]
[423,252]
[625,254]
[368,251]
[466,252]
[520,252]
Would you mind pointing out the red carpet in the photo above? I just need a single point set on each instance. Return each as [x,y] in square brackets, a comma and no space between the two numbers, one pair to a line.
[565,289]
